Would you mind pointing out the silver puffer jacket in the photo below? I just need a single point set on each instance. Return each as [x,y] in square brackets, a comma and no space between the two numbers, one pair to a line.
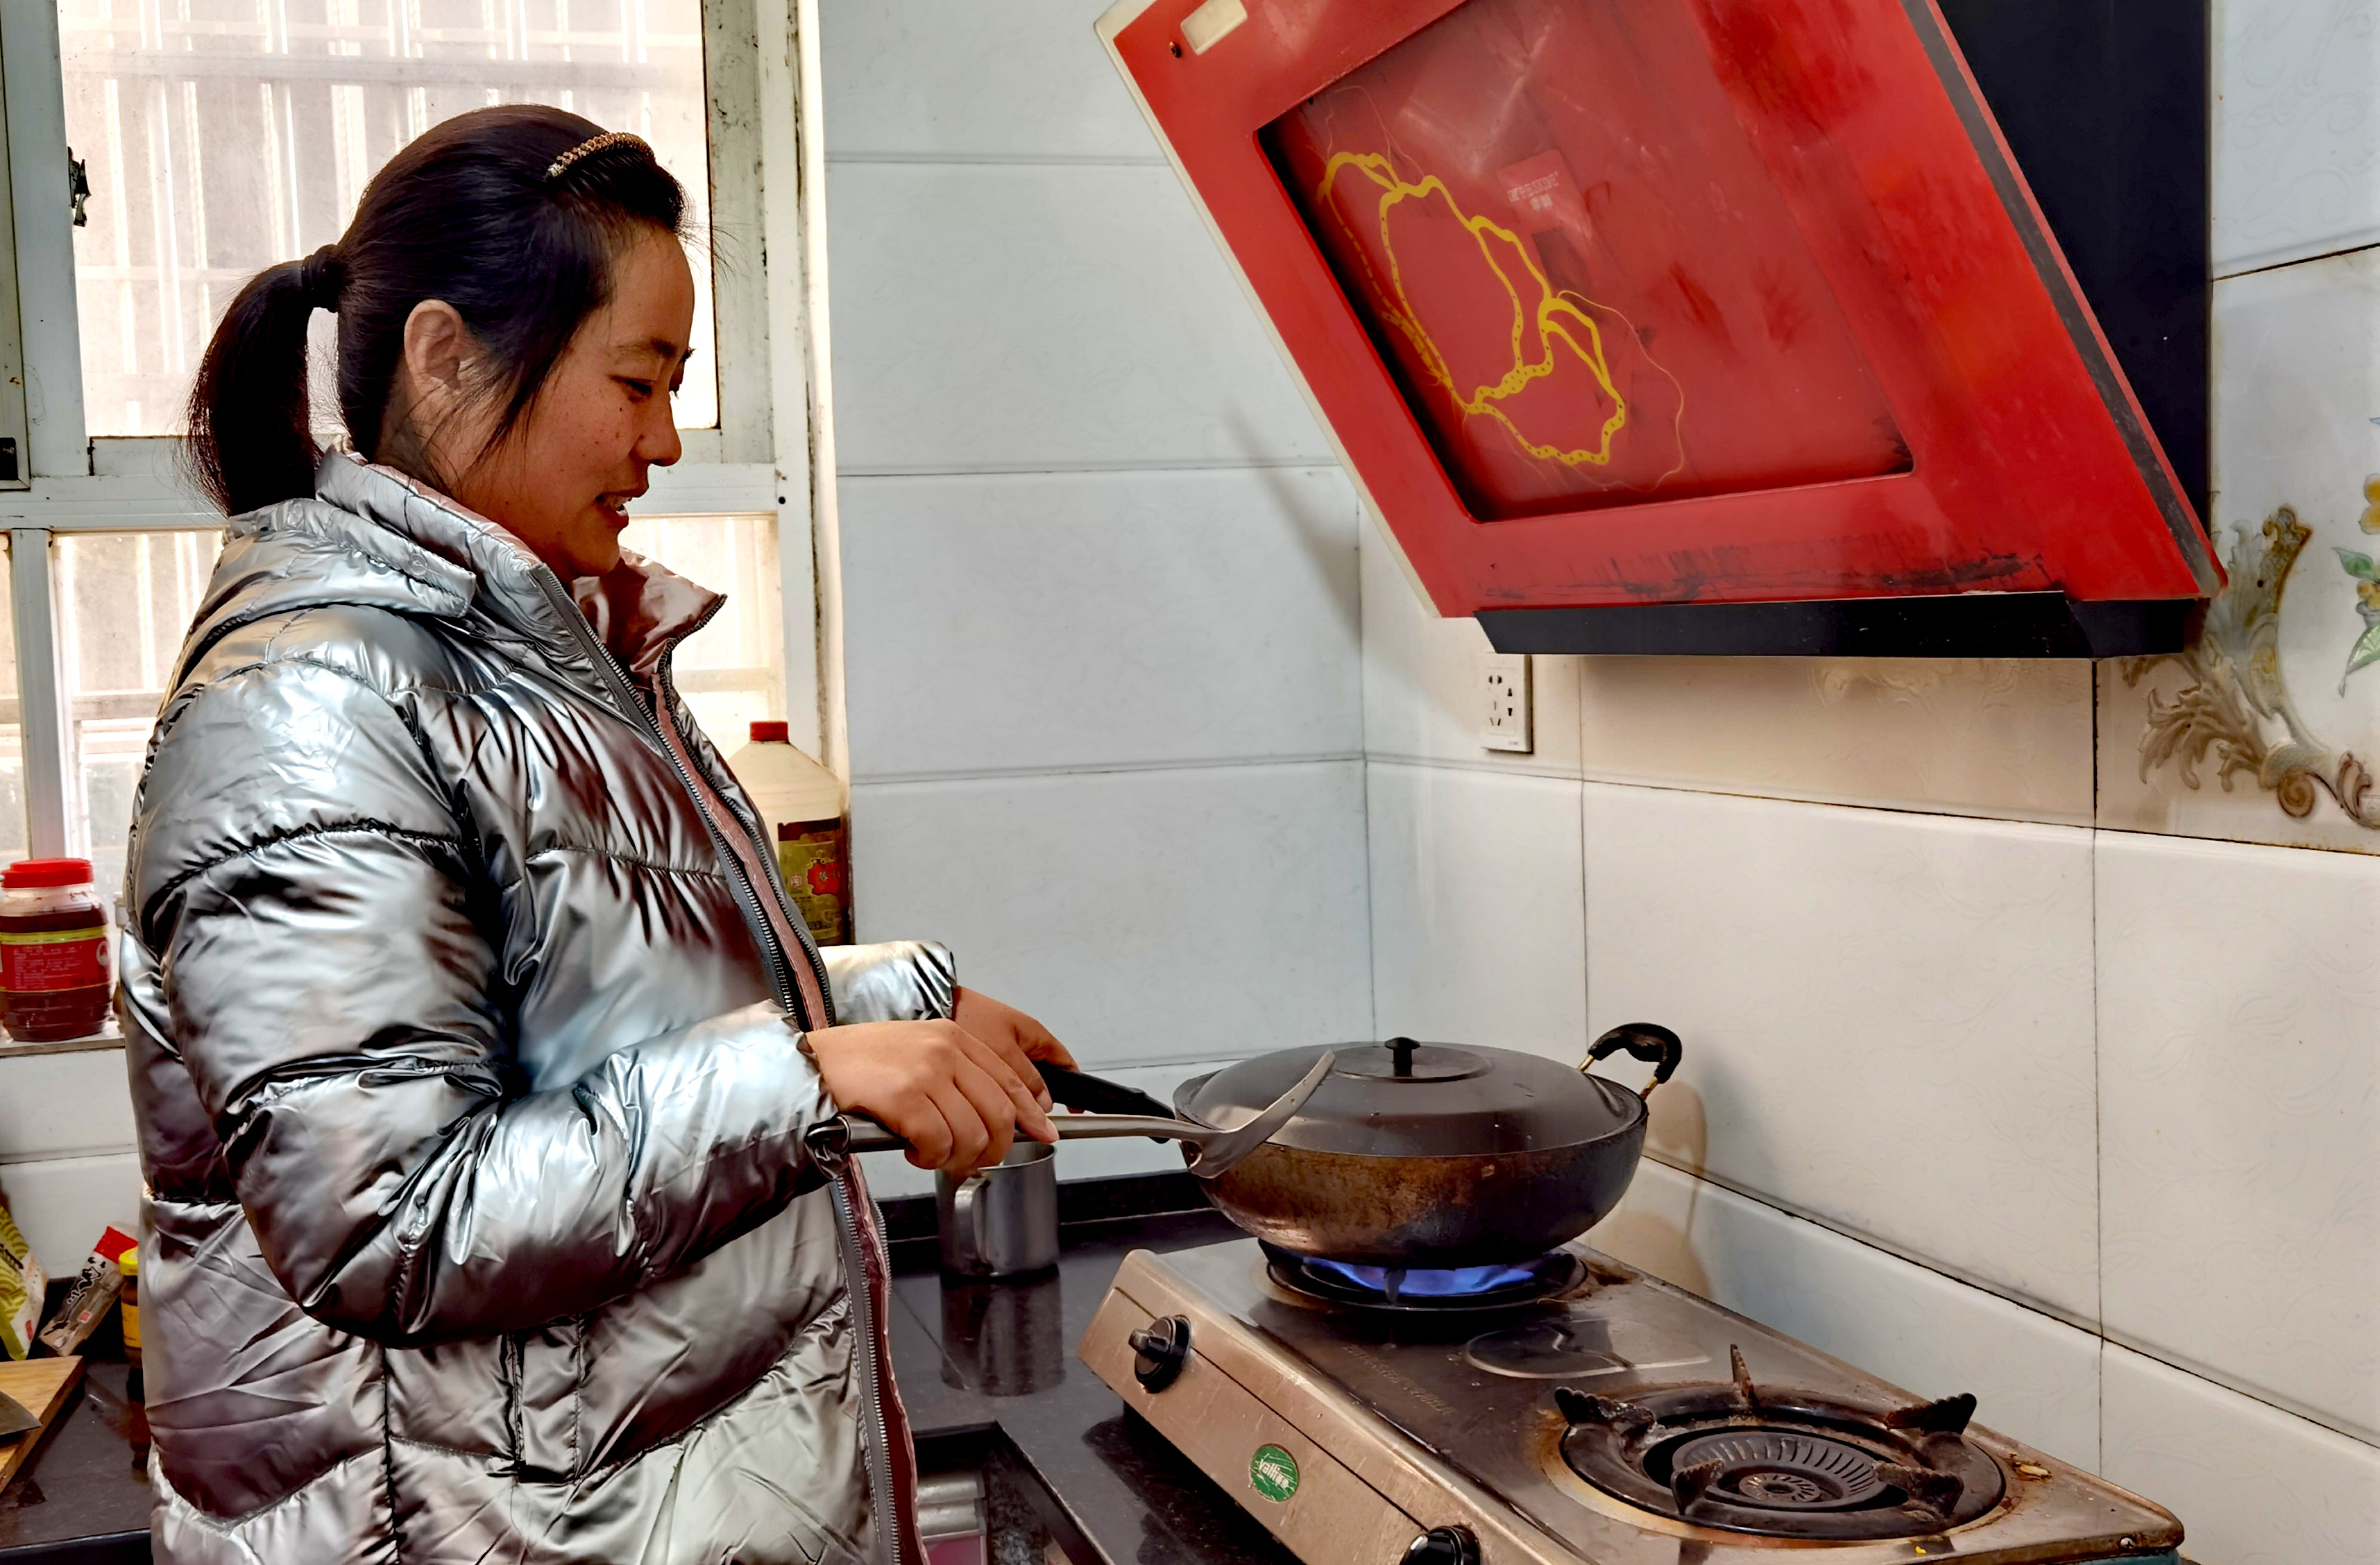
[464,1012]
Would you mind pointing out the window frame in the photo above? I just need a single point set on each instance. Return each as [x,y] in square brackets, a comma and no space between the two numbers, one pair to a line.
[769,452]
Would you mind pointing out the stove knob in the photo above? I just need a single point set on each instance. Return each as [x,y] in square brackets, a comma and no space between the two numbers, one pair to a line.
[1444,1546]
[1159,1349]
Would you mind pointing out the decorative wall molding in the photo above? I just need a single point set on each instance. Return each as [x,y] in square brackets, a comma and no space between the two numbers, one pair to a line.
[2236,711]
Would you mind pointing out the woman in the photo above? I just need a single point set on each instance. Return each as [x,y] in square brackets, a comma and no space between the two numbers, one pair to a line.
[472,1040]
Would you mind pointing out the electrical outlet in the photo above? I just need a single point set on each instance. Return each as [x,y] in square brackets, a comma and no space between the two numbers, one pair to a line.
[1504,686]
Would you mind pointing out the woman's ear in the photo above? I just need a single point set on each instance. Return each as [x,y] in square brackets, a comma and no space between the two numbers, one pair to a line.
[437,346]
[428,427]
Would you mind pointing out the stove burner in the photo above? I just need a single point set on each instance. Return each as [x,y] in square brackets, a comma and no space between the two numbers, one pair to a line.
[1578,1345]
[1780,1462]
[1395,1288]
[1780,1470]
[1394,1284]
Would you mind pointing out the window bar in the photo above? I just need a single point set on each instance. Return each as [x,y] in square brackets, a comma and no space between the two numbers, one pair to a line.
[41,698]
[35,92]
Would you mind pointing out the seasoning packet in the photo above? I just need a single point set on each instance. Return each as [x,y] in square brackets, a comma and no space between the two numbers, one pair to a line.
[22,1288]
[92,1295]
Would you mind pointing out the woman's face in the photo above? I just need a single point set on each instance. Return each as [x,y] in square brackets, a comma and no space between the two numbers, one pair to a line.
[561,483]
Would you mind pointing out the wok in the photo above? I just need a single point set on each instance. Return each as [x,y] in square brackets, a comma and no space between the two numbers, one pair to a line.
[1429,1156]
[1417,1155]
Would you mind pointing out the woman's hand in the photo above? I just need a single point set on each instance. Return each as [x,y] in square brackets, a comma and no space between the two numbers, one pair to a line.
[991,1021]
[956,1098]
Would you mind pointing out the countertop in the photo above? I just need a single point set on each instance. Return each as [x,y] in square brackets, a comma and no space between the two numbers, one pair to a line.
[980,1357]
[981,1365]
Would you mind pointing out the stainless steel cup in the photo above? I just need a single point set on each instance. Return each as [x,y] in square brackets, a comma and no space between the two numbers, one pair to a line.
[1002,1221]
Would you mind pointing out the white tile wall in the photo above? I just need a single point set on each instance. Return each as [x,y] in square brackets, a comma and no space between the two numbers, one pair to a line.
[1477,915]
[2240,1083]
[1058,620]
[63,1105]
[1423,695]
[1998,736]
[1145,916]
[1887,1018]
[1018,81]
[1099,662]
[2252,1485]
[62,1205]
[1002,317]
[2297,130]
[67,1164]
[2034,1378]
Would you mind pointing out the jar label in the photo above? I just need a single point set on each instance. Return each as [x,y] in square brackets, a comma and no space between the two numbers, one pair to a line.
[54,959]
[811,860]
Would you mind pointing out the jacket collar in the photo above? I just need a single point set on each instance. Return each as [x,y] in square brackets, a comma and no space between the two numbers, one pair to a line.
[638,610]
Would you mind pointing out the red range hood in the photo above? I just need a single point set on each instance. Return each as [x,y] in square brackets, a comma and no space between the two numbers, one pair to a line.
[1682,325]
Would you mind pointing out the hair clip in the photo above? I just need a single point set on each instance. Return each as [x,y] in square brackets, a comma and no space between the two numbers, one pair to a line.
[589,148]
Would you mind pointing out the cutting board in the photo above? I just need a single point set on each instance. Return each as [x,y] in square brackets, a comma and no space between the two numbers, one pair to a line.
[43,1386]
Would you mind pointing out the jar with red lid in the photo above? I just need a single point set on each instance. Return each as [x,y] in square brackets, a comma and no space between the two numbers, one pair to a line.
[56,975]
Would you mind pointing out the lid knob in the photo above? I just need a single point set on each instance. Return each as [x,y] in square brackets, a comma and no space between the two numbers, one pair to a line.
[1401,1055]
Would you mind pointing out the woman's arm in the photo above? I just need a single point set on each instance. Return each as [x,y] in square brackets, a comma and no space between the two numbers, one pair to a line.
[918,980]
[306,901]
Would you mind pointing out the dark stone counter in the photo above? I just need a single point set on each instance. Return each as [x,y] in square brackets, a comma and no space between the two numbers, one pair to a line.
[996,1360]
[988,1372]
[83,1500]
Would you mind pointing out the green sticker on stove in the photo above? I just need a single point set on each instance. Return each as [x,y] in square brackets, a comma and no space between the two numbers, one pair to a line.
[1273,1472]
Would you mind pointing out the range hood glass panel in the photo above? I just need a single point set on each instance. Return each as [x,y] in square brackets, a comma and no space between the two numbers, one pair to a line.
[1565,249]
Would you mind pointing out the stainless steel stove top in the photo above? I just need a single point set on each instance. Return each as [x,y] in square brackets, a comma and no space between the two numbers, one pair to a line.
[1442,1436]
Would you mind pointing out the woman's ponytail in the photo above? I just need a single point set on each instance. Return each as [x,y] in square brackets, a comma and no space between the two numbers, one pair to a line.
[252,440]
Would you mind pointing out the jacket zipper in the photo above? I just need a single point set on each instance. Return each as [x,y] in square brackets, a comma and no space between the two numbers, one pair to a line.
[890,1535]
[877,1449]
[607,667]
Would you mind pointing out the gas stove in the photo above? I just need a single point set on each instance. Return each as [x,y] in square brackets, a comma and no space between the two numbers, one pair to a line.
[1571,1411]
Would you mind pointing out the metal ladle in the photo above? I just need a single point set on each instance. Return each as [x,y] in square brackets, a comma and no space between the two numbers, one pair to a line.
[835,1142]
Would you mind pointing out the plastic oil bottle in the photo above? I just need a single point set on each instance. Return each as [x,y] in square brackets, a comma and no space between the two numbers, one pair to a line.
[807,812]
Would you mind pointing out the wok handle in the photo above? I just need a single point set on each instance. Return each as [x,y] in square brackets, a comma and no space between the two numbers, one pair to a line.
[1647,1040]
[1097,1095]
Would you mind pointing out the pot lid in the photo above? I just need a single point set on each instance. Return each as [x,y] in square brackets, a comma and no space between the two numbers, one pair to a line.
[1405,1098]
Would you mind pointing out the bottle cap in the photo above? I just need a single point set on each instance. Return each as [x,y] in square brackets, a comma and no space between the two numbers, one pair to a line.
[31,872]
[771,734]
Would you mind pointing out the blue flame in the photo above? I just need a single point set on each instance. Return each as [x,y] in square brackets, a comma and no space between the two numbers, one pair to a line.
[1459,1283]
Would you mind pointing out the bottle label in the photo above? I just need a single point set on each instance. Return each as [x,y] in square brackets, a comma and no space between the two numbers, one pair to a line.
[817,873]
[54,959]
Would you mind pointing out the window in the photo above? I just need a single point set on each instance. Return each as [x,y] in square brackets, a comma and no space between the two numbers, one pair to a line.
[221,136]
[12,745]
[731,672]
[122,602]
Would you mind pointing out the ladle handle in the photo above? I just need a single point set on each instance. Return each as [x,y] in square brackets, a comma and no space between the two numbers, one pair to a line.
[1647,1040]
[834,1141]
